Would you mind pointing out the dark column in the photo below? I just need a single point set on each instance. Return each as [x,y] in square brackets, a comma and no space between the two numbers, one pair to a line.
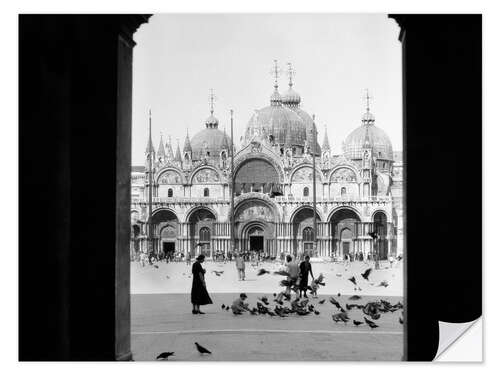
[442,165]
[75,147]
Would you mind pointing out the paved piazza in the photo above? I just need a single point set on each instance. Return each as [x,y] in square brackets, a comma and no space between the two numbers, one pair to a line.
[162,319]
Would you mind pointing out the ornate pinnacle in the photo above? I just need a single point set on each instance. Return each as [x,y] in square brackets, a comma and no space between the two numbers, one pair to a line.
[212,99]
[275,72]
[291,73]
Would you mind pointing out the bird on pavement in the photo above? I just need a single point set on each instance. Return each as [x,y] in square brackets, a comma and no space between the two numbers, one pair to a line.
[218,273]
[262,271]
[383,283]
[316,312]
[333,301]
[352,280]
[372,325]
[322,302]
[223,306]
[227,307]
[201,349]
[366,274]
[155,266]
[164,356]
[354,297]
[357,322]
[368,321]
[401,320]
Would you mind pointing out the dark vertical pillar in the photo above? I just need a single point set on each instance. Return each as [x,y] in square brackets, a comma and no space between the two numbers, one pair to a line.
[75,125]
[442,99]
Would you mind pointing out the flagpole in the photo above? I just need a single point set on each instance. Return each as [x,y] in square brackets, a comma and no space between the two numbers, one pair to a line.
[231,215]
[150,192]
[315,224]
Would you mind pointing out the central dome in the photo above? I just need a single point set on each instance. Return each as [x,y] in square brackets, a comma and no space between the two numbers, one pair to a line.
[277,120]
[209,143]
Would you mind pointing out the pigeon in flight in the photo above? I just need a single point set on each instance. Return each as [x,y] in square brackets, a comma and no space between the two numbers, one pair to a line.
[281,273]
[366,274]
[201,349]
[218,273]
[352,280]
[262,271]
[164,356]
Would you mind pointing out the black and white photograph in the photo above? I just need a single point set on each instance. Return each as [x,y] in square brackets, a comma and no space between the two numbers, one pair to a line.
[249,187]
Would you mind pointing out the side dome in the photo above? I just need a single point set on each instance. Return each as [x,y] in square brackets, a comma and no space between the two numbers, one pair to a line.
[209,143]
[291,98]
[377,138]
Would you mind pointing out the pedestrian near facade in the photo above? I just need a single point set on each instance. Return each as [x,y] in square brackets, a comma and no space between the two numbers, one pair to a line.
[199,293]
[240,266]
[292,268]
[305,269]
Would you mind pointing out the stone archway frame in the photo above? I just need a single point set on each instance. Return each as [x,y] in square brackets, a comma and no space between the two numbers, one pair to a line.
[340,208]
[246,157]
[159,209]
[189,213]
[302,207]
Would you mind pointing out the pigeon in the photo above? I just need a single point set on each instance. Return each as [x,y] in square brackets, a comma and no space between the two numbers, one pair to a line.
[368,321]
[274,294]
[357,322]
[271,313]
[384,284]
[235,312]
[316,312]
[372,325]
[342,316]
[155,266]
[164,355]
[354,297]
[352,280]
[218,273]
[223,306]
[338,274]
[227,307]
[375,316]
[201,349]
[262,271]
[281,273]
[401,320]
[322,302]
[338,294]
[333,301]
[168,277]
[366,274]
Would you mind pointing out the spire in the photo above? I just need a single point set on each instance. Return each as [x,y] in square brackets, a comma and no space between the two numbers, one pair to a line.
[161,148]
[368,118]
[225,141]
[169,154]
[366,141]
[149,147]
[290,73]
[187,144]
[178,152]
[326,143]
[275,96]
[212,121]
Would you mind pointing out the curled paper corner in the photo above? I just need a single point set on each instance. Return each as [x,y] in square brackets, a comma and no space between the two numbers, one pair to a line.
[449,333]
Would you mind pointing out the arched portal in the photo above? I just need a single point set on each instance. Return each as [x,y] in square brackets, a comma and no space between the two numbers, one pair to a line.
[343,229]
[255,175]
[301,220]
[201,226]
[380,227]
[162,220]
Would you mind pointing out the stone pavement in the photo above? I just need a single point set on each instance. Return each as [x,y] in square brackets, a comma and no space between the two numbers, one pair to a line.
[162,319]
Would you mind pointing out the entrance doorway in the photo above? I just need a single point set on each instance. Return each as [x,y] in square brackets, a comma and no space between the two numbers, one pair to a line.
[256,243]
[346,248]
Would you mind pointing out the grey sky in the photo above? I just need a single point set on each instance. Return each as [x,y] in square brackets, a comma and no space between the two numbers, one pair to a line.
[179,57]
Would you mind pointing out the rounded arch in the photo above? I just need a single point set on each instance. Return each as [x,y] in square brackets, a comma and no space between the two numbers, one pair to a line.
[379,211]
[341,208]
[344,166]
[298,168]
[214,177]
[306,207]
[163,214]
[208,210]
[169,176]
[244,160]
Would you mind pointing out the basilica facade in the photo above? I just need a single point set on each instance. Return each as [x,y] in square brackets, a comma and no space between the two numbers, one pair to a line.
[358,190]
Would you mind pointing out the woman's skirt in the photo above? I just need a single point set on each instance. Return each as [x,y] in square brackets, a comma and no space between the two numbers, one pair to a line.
[199,294]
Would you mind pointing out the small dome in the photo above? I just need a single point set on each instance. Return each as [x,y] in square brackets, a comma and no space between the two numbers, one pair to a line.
[209,143]
[290,98]
[377,138]
[212,122]
[275,98]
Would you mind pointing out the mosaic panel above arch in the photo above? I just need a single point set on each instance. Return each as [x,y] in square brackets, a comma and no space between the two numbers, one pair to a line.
[304,174]
[254,210]
[343,175]
[169,177]
[205,175]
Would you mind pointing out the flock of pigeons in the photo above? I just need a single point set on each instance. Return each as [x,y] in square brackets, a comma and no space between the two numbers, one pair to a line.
[164,356]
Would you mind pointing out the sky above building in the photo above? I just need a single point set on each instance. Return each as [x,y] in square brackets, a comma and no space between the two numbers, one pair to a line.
[336,57]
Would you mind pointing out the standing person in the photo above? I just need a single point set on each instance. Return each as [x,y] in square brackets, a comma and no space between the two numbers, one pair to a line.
[240,266]
[305,269]
[188,258]
[292,268]
[199,294]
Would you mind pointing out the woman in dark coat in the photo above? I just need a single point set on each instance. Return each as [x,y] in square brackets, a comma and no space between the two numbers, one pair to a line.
[199,294]
[305,269]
